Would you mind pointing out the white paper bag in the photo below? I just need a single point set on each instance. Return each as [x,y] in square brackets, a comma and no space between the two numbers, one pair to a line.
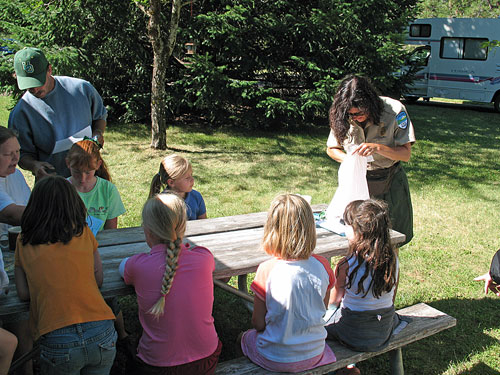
[352,185]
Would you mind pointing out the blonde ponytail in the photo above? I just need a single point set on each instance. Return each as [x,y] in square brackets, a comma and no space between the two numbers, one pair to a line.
[171,167]
[156,185]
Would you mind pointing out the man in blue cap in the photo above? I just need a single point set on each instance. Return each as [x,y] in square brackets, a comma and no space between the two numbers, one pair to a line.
[53,113]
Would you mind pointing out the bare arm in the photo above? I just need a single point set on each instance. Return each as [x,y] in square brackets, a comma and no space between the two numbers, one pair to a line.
[336,153]
[98,268]
[337,293]
[402,153]
[12,214]
[259,314]
[326,300]
[111,223]
[489,284]
[396,250]
[39,168]
[23,291]
[204,216]
[98,128]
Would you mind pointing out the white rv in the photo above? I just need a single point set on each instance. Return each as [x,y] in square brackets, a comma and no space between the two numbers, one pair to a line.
[455,63]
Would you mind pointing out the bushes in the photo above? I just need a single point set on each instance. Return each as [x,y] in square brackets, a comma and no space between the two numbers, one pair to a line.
[258,64]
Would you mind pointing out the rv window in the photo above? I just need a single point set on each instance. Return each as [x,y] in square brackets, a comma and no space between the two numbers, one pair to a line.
[463,48]
[423,30]
[419,56]
[451,48]
[473,49]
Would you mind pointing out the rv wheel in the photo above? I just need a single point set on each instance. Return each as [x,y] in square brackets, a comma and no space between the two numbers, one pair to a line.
[497,103]
[410,99]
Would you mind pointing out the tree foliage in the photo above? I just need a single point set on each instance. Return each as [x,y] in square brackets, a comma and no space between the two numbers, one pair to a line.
[258,63]
[459,8]
[277,61]
[104,43]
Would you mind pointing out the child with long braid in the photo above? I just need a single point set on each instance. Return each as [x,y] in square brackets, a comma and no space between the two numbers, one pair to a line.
[174,288]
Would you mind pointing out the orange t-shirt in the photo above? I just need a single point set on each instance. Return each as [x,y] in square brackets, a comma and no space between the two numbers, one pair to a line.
[62,285]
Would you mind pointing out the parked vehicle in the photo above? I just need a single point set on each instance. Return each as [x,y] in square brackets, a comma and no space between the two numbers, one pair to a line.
[453,59]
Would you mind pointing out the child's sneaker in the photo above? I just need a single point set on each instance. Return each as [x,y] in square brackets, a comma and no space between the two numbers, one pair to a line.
[349,370]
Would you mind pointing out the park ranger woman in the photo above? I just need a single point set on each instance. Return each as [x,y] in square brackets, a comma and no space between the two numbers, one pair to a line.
[379,127]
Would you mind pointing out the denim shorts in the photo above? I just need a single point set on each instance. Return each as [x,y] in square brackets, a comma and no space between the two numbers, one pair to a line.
[83,348]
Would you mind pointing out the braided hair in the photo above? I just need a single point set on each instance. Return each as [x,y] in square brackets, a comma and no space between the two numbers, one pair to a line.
[165,217]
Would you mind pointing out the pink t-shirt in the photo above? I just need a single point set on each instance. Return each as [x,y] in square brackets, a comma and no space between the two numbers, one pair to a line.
[186,331]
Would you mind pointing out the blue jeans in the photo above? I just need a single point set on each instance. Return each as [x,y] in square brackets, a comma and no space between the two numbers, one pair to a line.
[84,348]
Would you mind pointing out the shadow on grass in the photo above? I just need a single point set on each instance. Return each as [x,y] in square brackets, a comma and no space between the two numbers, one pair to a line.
[282,147]
[468,337]
[282,143]
[435,354]
[457,145]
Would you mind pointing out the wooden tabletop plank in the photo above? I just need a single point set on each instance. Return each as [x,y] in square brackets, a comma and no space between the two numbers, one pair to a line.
[237,255]
[118,236]
[237,252]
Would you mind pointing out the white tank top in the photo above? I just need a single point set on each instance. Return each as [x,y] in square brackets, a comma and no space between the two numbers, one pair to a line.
[357,302]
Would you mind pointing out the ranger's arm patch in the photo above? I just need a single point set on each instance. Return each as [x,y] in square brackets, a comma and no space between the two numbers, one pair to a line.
[402,120]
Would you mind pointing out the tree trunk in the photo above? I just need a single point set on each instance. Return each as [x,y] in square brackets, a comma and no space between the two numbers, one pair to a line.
[162,50]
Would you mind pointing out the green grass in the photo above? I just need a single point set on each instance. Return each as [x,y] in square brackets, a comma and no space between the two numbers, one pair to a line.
[454,176]
[5,103]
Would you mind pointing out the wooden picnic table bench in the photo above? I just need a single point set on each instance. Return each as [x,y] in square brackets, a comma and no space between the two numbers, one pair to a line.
[424,322]
[235,243]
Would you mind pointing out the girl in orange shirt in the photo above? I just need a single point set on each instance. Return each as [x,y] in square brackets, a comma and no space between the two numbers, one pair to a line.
[58,269]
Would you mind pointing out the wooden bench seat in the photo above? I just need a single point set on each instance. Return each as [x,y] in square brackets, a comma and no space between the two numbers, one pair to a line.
[425,321]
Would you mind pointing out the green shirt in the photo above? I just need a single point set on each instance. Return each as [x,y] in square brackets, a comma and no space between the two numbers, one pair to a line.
[103,201]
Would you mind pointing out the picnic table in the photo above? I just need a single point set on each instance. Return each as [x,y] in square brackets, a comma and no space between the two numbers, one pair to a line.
[234,241]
